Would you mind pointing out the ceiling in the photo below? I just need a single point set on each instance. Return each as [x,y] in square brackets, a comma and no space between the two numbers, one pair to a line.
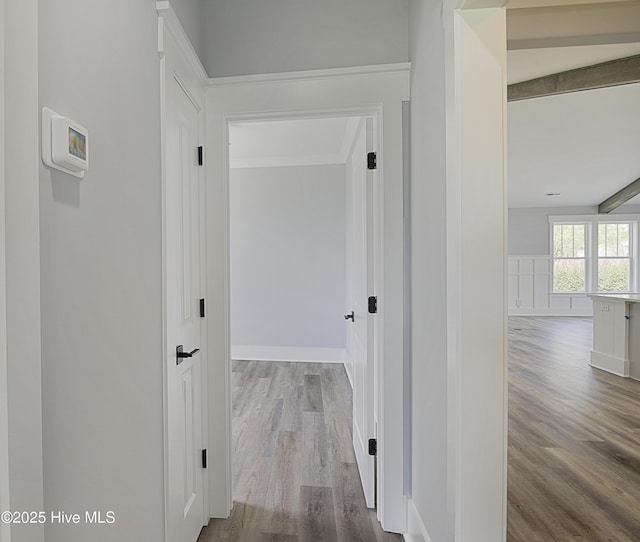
[295,142]
[525,64]
[583,145]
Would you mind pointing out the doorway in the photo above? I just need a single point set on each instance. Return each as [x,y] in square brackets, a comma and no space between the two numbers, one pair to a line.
[377,92]
[301,216]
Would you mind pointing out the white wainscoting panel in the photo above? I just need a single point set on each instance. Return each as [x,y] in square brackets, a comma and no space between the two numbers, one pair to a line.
[288,353]
[530,294]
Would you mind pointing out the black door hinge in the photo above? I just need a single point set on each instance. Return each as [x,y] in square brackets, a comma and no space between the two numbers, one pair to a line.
[200,161]
[204,458]
[373,304]
[202,308]
[373,446]
[372,160]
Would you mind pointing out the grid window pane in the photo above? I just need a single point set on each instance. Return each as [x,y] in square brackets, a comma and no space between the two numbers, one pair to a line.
[569,240]
[613,240]
[569,275]
[613,275]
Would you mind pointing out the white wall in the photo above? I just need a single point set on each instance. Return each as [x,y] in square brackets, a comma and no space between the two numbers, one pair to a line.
[22,237]
[429,272]
[101,273]
[458,201]
[190,14]
[529,227]
[251,37]
[4,406]
[288,259]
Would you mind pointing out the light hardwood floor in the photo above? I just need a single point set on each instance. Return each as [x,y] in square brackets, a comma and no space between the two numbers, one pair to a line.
[574,438]
[294,472]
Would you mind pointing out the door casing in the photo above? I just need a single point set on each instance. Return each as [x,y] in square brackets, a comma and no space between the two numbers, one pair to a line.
[374,91]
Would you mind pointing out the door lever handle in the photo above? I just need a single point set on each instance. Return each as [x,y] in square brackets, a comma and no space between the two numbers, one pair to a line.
[350,317]
[181,354]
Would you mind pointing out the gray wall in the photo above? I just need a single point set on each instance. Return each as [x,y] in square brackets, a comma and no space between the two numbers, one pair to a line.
[190,14]
[253,36]
[288,262]
[428,246]
[529,227]
[19,204]
[101,273]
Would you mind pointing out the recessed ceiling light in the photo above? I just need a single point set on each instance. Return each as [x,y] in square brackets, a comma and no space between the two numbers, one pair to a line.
[553,193]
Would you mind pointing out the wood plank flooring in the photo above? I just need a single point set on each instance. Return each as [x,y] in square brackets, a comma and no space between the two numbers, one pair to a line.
[574,438]
[294,472]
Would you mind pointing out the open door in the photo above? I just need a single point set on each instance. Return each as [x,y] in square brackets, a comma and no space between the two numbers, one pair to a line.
[360,337]
[185,456]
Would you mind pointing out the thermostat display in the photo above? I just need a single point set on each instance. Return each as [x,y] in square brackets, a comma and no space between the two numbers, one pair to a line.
[65,144]
[77,144]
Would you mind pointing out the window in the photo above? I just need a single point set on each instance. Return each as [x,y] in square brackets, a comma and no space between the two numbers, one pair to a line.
[614,257]
[593,254]
[569,257]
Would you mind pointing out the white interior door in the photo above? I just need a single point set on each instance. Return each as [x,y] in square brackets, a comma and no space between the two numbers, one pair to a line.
[184,374]
[362,334]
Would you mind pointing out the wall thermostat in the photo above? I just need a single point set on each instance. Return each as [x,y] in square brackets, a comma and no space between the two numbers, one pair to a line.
[65,144]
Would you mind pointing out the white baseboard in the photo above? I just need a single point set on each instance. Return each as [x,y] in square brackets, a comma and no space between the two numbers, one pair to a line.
[347,369]
[549,312]
[611,364]
[288,353]
[416,531]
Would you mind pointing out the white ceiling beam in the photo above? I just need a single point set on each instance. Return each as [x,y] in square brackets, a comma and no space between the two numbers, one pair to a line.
[519,4]
[481,4]
[562,26]
[622,71]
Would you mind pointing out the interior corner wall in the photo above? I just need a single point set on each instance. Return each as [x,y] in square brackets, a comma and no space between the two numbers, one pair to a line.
[102,387]
[189,13]
[288,259]
[428,506]
[254,37]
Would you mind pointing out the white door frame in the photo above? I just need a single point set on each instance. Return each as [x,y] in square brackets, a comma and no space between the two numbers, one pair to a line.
[476,211]
[190,75]
[366,91]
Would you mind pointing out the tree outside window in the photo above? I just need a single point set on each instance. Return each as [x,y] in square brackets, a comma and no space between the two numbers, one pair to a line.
[614,257]
[569,257]
[593,256]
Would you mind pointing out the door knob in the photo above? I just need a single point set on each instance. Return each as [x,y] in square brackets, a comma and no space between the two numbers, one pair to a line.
[181,354]
[350,317]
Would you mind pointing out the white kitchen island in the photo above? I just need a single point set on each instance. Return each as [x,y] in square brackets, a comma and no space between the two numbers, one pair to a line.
[616,334]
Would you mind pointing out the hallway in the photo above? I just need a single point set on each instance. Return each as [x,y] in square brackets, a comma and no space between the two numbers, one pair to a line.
[295,477]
